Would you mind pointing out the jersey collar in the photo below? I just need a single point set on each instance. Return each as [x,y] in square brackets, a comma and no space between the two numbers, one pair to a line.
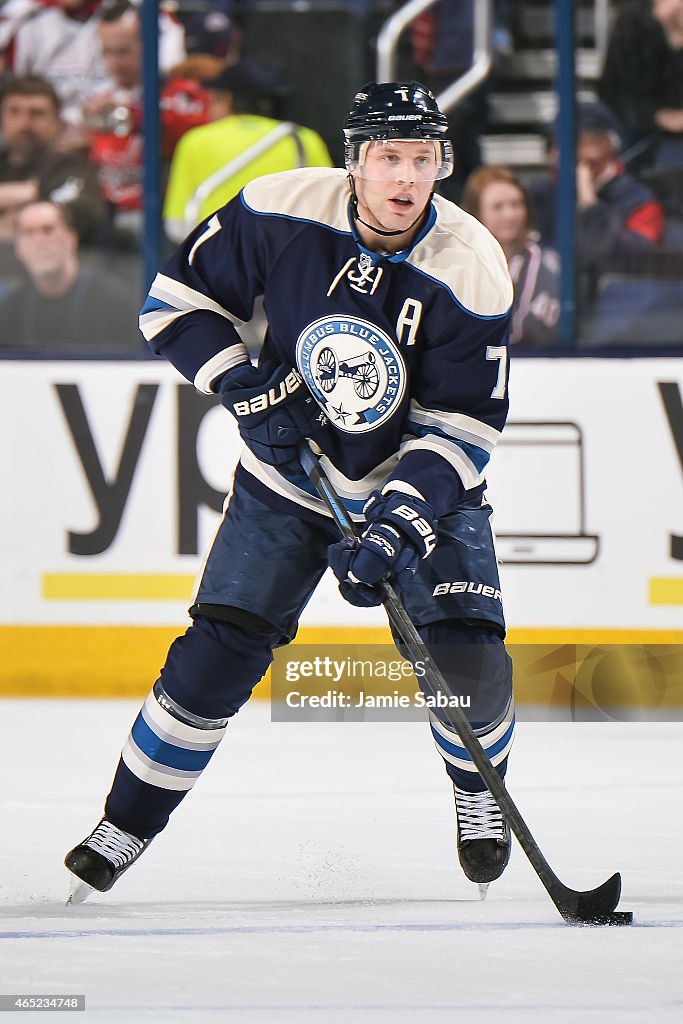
[403,254]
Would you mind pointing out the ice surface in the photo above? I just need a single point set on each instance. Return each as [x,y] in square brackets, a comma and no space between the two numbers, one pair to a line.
[311,876]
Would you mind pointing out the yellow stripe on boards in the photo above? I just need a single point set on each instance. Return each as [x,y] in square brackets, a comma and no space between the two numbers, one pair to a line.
[67,586]
[113,661]
[124,661]
[666,590]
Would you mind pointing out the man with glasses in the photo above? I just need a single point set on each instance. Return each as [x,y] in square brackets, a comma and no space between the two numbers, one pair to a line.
[388,318]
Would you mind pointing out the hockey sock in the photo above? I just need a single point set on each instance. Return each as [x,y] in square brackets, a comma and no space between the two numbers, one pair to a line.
[209,673]
[476,665]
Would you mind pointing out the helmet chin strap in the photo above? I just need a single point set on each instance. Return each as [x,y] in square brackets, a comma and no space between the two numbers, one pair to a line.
[381,231]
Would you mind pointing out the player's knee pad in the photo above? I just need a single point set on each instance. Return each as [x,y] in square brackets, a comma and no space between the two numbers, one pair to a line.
[478,669]
[212,669]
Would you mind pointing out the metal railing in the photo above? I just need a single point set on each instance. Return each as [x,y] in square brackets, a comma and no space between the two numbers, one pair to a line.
[395,25]
[602,25]
[390,33]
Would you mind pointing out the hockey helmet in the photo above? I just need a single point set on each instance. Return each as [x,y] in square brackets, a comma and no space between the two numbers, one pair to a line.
[396,112]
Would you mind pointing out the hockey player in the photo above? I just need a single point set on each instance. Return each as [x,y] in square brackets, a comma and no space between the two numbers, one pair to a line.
[388,317]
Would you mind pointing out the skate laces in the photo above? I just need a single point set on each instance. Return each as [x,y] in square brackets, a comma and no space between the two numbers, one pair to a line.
[118,847]
[479,816]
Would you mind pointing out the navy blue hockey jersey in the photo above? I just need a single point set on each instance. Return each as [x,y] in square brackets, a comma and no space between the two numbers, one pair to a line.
[405,353]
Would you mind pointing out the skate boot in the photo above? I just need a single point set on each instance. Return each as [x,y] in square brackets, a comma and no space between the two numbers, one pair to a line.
[101,859]
[483,837]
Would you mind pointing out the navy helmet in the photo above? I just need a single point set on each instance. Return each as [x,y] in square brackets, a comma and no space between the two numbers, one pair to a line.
[385,111]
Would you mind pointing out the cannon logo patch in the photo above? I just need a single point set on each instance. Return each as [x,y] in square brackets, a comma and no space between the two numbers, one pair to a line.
[354,370]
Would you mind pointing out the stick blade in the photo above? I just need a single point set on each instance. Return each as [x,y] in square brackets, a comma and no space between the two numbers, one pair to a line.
[597,906]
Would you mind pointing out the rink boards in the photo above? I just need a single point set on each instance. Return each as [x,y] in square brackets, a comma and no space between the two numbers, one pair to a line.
[116,473]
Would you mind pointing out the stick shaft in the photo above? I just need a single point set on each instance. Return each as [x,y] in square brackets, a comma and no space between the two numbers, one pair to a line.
[405,629]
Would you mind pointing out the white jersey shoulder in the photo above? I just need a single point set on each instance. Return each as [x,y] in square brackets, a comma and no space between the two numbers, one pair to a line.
[317,194]
[464,256]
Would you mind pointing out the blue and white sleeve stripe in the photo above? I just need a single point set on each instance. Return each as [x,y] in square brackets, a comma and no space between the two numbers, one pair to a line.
[208,357]
[464,442]
[169,299]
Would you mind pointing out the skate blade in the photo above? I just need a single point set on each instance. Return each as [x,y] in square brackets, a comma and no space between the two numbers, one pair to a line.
[78,891]
[483,888]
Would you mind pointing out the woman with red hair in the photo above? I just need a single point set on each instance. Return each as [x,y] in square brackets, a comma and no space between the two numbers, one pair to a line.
[496,197]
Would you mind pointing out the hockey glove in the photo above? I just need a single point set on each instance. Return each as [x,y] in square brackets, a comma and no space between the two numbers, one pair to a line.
[401,530]
[274,410]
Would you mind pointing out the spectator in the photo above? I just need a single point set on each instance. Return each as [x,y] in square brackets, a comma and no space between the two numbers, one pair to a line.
[214,33]
[236,95]
[642,81]
[213,43]
[59,40]
[618,218]
[13,14]
[113,116]
[499,200]
[31,167]
[62,304]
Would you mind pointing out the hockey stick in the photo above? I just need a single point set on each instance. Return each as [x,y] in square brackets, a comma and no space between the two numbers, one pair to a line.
[596,906]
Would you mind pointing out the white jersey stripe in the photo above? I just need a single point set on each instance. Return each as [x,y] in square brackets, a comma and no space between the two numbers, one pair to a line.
[183,297]
[465,428]
[353,490]
[279,485]
[158,320]
[228,359]
[359,489]
[454,455]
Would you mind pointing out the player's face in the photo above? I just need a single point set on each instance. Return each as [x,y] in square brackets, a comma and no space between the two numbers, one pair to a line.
[394,182]
[502,210]
[389,159]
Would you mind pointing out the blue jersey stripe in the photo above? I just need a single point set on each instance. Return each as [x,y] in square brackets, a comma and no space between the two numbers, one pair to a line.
[477,456]
[152,305]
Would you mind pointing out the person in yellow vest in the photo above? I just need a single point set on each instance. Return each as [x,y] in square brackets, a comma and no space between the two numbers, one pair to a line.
[213,162]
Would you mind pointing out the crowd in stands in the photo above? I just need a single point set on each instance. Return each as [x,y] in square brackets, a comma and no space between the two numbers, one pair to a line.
[72,161]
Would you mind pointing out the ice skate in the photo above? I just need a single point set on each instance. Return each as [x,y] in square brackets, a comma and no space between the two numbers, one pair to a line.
[101,859]
[483,838]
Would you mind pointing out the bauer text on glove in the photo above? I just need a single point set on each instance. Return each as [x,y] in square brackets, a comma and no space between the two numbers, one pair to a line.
[400,531]
[273,408]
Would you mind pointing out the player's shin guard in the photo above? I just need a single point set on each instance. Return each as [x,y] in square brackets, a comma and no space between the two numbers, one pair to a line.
[478,670]
[209,673]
